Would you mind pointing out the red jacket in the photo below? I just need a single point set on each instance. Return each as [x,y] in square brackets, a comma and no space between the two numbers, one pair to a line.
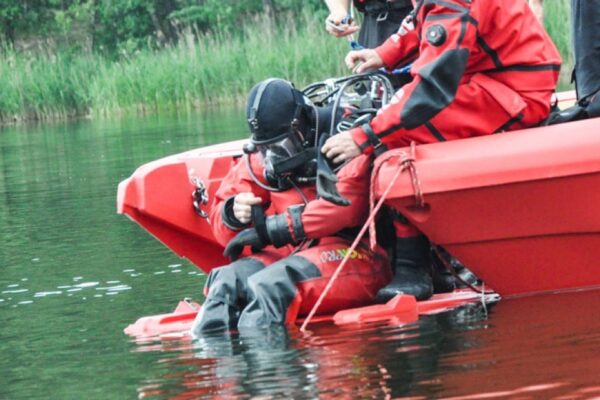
[320,218]
[449,41]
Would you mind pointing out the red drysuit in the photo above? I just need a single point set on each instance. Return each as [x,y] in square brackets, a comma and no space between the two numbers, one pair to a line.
[479,67]
[273,286]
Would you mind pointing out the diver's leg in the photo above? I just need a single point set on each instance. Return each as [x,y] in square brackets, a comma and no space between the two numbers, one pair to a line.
[226,289]
[290,287]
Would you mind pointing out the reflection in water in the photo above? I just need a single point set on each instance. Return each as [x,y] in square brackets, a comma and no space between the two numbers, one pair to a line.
[364,361]
[539,347]
[73,274]
[542,346]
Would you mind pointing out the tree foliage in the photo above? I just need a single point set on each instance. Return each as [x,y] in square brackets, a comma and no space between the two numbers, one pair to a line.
[123,26]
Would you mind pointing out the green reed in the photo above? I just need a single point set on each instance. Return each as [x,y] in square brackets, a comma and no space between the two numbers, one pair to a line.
[201,70]
[557,23]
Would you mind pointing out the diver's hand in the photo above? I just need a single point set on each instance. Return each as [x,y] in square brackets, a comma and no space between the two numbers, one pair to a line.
[242,206]
[338,25]
[341,147]
[363,60]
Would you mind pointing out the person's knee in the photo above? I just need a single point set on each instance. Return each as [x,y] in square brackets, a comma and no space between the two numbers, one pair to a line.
[229,283]
[272,290]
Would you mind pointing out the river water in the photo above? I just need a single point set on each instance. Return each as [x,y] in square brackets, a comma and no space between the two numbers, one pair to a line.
[73,274]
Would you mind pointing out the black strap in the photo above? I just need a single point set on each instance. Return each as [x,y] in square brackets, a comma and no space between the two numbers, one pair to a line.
[378,7]
[373,140]
[279,230]
[259,222]
[326,179]
[509,123]
[291,163]
[297,226]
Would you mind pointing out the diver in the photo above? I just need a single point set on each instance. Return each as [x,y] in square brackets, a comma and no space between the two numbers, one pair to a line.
[290,219]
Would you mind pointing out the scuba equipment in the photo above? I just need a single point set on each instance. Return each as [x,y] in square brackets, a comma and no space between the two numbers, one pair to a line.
[289,126]
[370,91]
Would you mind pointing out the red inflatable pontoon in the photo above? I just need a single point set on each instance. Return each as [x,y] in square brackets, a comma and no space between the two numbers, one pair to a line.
[520,209]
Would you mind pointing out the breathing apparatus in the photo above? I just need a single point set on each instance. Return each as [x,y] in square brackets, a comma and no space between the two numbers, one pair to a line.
[288,127]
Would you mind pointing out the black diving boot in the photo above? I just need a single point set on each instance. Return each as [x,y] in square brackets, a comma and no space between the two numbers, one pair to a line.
[443,279]
[412,270]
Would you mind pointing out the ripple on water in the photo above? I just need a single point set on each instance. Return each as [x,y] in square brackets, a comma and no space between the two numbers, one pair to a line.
[14,291]
[118,288]
[44,294]
[87,284]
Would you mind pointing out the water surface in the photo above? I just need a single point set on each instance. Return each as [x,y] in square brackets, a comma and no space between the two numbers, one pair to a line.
[73,274]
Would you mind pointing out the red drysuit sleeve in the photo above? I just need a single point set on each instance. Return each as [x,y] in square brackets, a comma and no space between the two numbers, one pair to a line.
[321,218]
[402,47]
[447,31]
[238,180]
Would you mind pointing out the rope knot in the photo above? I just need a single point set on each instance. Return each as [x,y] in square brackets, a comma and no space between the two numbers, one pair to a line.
[407,161]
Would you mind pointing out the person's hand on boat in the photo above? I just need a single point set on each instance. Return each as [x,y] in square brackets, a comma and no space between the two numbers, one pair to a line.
[360,61]
[340,148]
[242,206]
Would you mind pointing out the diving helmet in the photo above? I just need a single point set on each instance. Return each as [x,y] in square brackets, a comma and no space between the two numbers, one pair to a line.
[280,119]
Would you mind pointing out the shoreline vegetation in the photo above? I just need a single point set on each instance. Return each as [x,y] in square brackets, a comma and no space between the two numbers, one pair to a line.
[199,70]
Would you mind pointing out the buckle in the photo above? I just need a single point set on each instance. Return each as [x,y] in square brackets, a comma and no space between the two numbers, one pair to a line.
[373,140]
[382,16]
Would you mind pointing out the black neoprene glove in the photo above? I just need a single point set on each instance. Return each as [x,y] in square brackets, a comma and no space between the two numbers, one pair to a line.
[273,230]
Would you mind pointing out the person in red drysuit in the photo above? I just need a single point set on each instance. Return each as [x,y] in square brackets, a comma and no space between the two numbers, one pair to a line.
[301,241]
[479,67]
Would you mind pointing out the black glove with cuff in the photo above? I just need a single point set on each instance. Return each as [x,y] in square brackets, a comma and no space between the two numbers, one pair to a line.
[273,229]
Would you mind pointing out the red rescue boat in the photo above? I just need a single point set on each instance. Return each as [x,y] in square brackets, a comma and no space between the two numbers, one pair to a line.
[520,209]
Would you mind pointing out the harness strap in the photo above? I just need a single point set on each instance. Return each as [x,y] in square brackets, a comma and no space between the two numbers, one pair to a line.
[373,140]
[259,221]
[378,7]
[297,226]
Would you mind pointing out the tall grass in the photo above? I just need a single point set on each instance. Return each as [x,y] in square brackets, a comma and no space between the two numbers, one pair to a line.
[557,23]
[200,70]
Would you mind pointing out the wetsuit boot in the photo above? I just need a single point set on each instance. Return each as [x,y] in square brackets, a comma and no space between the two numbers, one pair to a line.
[443,280]
[412,270]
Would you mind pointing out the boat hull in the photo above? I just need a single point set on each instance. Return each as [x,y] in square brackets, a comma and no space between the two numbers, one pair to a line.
[521,209]
[159,197]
